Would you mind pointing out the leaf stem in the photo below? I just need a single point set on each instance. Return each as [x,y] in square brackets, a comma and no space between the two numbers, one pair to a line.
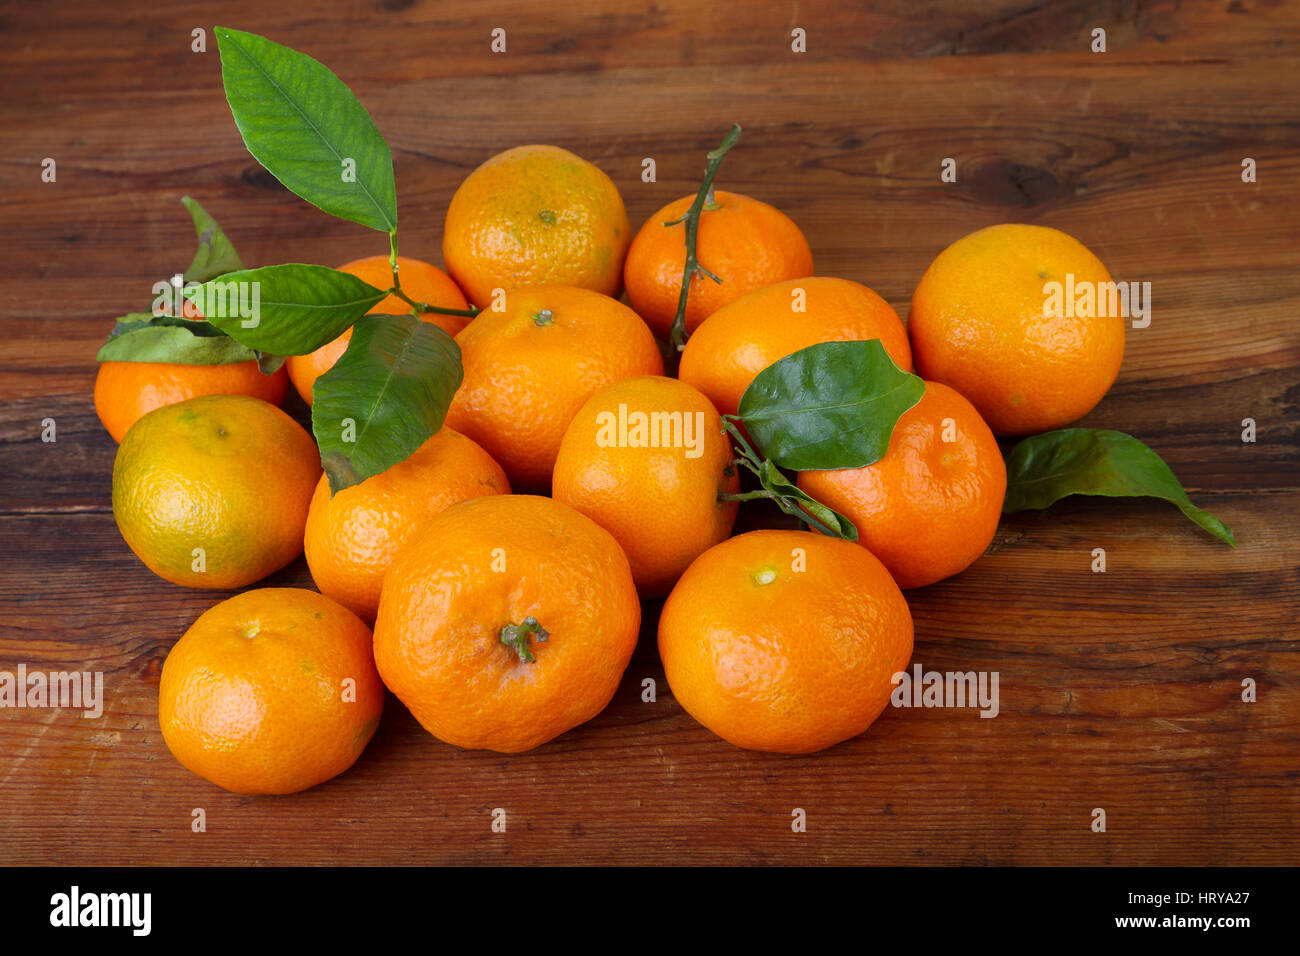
[392,264]
[774,485]
[703,199]
[417,307]
[421,307]
[745,495]
[730,427]
[426,307]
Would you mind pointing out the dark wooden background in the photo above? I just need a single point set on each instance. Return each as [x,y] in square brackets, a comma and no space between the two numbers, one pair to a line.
[1119,690]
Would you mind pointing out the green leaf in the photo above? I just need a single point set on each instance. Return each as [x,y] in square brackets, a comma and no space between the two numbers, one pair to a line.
[133,321]
[793,501]
[1085,461]
[269,364]
[831,405]
[384,398]
[285,310]
[303,124]
[141,337]
[215,256]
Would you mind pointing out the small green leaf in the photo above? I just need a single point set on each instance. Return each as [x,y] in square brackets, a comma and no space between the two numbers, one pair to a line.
[133,321]
[831,405]
[1083,461]
[269,364]
[384,398]
[304,125]
[285,310]
[793,501]
[215,256]
[141,337]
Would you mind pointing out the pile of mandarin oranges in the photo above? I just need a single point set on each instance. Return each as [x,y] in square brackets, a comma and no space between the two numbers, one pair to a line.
[493,581]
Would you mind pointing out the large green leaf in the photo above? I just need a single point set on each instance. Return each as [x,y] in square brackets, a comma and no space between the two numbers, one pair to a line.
[304,125]
[298,308]
[1083,461]
[142,337]
[216,255]
[831,405]
[385,397]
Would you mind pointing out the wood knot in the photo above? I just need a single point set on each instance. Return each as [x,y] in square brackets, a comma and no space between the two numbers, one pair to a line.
[1012,184]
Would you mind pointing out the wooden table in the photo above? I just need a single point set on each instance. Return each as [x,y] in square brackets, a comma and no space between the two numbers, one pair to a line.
[1120,690]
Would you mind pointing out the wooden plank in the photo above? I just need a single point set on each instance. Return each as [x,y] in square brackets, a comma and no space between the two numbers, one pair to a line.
[1106,699]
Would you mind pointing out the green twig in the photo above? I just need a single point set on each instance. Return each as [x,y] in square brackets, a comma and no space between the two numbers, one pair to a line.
[692,219]
[426,307]
[730,427]
[421,307]
[747,455]
[745,495]
[417,307]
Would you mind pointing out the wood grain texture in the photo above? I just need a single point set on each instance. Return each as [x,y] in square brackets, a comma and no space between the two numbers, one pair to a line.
[1119,690]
